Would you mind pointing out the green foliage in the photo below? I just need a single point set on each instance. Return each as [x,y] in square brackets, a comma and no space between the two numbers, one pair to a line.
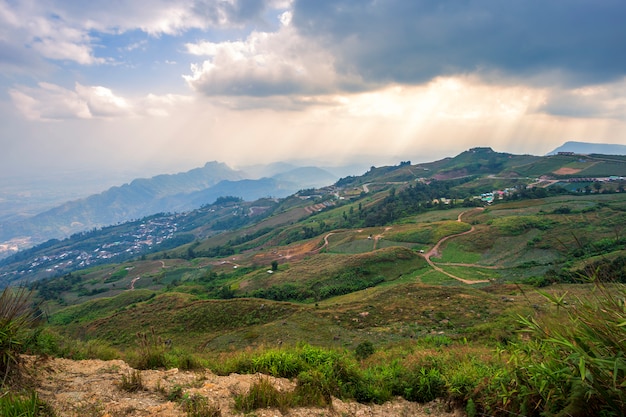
[313,388]
[16,319]
[183,360]
[150,353]
[262,394]
[516,225]
[47,342]
[574,366]
[364,350]
[199,406]
[117,275]
[424,385]
[24,405]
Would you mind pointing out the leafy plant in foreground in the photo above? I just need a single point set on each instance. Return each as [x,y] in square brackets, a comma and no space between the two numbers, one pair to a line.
[16,318]
[575,366]
[15,405]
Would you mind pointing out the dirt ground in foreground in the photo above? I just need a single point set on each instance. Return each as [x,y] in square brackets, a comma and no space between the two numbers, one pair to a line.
[93,388]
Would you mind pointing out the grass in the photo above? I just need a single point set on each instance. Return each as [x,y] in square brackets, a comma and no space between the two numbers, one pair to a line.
[132,382]
[471,273]
[199,406]
[17,317]
[429,341]
[24,405]
[457,253]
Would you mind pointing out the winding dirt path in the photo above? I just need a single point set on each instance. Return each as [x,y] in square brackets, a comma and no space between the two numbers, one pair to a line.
[435,251]
[380,236]
[132,283]
[325,245]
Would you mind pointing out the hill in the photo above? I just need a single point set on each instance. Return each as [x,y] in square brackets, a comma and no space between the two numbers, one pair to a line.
[234,225]
[584,148]
[399,283]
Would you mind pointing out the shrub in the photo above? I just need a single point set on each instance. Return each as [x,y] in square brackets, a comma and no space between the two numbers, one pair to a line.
[364,350]
[424,385]
[313,389]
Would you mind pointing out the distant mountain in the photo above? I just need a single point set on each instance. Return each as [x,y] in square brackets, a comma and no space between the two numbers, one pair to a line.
[589,148]
[163,193]
[267,170]
[306,177]
[139,198]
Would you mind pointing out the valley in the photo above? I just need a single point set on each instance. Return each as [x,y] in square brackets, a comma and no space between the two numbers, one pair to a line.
[385,286]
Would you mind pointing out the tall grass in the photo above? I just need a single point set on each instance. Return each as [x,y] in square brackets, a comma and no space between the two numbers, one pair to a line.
[17,317]
[574,363]
[150,353]
[23,405]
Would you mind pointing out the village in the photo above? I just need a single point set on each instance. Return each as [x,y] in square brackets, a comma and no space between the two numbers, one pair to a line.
[143,237]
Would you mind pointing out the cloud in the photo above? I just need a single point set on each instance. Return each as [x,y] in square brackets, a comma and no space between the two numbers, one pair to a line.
[59,30]
[594,101]
[266,64]
[50,102]
[415,41]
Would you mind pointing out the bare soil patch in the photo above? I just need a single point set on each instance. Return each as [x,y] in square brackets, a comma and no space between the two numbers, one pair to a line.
[566,171]
[93,388]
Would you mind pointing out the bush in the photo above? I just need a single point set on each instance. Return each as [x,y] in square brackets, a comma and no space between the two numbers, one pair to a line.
[364,350]
[313,389]
[424,385]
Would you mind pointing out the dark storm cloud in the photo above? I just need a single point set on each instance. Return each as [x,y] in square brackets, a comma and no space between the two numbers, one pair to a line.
[414,40]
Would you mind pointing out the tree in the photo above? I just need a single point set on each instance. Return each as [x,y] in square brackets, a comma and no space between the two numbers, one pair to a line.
[597,186]
[274,265]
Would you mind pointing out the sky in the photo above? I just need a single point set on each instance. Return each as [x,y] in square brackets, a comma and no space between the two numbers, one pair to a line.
[164,86]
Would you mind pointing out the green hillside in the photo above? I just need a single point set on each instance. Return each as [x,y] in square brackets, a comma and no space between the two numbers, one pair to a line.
[361,285]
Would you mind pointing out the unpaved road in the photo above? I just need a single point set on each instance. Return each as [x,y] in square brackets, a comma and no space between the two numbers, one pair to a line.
[435,251]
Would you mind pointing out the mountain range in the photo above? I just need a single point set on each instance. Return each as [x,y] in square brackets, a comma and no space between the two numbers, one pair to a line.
[174,193]
[231,213]
[590,148]
[162,193]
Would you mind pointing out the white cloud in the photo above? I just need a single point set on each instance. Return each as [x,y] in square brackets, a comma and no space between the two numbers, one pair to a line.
[67,31]
[49,102]
[605,100]
[265,64]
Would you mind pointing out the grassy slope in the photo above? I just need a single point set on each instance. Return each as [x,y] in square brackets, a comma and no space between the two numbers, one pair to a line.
[511,242]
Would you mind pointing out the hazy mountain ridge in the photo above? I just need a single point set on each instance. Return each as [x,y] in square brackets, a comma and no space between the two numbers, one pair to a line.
[162,193]
[590,148]
[476,171]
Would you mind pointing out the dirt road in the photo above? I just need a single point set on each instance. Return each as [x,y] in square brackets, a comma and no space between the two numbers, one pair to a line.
[435,251]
